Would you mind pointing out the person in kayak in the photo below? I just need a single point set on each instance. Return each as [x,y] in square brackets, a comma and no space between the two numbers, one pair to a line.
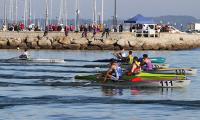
[114,73]
[135,68]
[120,54]
[24,55]
[130,58]
[147,64]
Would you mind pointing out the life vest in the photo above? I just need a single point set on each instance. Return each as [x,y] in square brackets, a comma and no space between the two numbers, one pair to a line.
[130,57]
[118,72]
[149,65]
[138,68]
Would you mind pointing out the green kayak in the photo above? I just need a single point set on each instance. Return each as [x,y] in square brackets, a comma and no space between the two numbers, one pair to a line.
[142,76]
[140,80]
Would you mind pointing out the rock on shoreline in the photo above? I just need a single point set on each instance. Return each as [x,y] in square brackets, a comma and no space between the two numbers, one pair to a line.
[35,40]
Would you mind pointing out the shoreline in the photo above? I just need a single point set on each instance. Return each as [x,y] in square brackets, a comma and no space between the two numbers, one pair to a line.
[115,41]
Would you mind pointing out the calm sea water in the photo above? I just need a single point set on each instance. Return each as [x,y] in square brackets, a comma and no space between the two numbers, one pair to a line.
[47,91]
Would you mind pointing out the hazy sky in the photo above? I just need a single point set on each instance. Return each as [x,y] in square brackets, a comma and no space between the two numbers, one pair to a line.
[125,8]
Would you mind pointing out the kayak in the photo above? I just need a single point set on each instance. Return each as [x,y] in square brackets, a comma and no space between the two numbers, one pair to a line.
[153,60]
[158,60]
[160,66]
[31,60]
[141,80]
[156,66]
[177,71]
[144,84]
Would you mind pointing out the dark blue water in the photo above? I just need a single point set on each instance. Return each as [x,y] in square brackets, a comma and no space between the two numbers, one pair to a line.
[50,92]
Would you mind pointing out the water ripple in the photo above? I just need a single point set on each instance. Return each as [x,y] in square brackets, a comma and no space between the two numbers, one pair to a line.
[48,70]
[9,102]
[43,77]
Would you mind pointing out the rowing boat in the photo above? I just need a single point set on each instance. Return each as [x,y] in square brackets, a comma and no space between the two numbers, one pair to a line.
[157,66]
[159,60]
[31,60]
[141,80]
[177,71]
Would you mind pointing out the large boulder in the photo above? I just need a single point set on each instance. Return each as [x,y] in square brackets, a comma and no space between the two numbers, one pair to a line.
[57,45]
[136,44]
[65,40]
[180,46]
[109,41]
[93,47]
[72,46]
[44,43]
[123,43]
[149,46]
[31,39]
[3,43]
[83,47]
[81,41]
[133,43]
[14,42]
[32,42]
[108,47]
[96,43]
[33,45]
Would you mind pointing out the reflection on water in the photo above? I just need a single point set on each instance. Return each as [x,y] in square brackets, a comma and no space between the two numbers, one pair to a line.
[111,91]
[117,91]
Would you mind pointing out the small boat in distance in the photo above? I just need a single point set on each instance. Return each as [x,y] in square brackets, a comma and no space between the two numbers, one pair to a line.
[31,60]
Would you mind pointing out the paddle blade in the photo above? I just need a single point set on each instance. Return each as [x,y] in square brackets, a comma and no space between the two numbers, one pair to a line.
[136,80]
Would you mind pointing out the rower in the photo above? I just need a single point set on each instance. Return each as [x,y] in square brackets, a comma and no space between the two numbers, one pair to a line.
[130,58]
[120,54]
[135,68]
[25,55]
[147,64]
[114,73]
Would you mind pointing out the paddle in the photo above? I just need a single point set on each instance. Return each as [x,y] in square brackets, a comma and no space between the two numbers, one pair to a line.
[12,58]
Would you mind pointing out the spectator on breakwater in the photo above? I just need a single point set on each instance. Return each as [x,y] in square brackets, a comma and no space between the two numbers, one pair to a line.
[106,31]
[121,28]
[84,33]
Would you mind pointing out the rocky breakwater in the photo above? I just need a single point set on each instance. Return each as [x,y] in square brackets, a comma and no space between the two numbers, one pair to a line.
[115,41]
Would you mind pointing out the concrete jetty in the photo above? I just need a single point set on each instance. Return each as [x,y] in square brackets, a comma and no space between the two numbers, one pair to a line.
[75,41]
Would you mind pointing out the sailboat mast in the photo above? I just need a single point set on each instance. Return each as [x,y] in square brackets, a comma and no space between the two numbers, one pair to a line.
[60,19]
[11,10]
[46,15]
[115,14]
[5,12]
[51,11]
[25,5]
[102,11]
[65,12]
[94,12]
[29,14]
[77,15]
[16,11]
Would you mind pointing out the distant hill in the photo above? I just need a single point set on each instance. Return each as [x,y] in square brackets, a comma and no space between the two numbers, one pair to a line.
[176,21]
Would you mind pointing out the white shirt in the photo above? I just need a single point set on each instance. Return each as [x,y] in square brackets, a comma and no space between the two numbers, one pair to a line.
[123,54]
